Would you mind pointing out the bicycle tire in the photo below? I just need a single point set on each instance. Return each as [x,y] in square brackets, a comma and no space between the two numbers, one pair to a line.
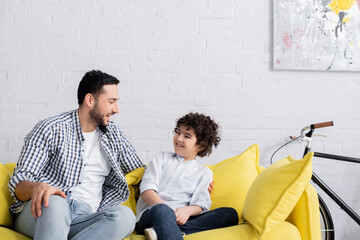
[326,222]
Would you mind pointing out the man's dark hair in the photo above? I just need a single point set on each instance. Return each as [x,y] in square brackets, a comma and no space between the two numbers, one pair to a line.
[92,82]
[206,131]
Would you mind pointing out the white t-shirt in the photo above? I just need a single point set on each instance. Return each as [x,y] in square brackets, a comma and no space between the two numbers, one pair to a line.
[96,167]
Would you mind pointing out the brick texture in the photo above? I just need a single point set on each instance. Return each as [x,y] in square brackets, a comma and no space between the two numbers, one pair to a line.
[173,57]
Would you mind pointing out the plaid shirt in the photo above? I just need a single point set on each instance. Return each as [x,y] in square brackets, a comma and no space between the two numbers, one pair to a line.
[53,153]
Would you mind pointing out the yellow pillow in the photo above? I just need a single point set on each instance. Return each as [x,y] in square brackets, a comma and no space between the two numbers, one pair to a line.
[274,193]
[133,179]
[5,199]
[233,177]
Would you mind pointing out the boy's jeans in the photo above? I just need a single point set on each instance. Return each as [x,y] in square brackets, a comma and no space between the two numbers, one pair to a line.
[163,219]
[69,219]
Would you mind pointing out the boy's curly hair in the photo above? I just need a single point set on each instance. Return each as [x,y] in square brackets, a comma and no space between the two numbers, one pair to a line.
[206,131]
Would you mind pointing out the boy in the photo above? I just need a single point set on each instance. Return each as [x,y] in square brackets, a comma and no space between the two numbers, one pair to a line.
[174,195]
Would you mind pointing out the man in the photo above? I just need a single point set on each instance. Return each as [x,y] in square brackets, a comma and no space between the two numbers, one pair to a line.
[69,181]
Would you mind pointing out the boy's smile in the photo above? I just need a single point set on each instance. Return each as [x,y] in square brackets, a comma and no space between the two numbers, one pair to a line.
[185,143]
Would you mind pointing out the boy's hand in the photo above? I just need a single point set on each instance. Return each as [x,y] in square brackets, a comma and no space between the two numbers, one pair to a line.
[182,215]
[211,187]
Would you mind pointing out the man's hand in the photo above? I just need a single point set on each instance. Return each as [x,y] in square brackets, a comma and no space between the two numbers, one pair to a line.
[42,193]
[211,187]
[182,215]
[38,193]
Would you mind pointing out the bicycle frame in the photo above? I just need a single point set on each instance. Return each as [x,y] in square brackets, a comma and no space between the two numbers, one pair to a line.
[322,184]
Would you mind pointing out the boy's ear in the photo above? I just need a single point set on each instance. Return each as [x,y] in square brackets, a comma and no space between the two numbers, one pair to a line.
[199,148]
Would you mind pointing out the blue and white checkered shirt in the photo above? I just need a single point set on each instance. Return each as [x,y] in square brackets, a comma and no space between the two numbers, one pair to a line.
[53,153]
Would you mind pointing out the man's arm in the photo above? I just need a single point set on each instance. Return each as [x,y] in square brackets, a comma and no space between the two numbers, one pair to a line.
[38,193]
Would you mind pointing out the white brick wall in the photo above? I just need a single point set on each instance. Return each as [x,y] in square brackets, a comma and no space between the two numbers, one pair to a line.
[173,57]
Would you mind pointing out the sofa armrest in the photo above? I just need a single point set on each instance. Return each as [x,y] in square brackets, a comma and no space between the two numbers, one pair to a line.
[306,216]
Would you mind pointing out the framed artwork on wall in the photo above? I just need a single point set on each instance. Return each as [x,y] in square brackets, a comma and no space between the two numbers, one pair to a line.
[317,35]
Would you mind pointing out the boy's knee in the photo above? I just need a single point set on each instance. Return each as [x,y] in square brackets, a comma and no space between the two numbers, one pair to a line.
[162,208]
[163,211]
[231,214]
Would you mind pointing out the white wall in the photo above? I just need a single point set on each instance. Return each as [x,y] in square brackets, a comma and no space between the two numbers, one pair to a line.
[173,57]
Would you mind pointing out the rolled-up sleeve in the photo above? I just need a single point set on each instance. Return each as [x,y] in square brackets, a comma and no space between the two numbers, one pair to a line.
[152,175]
[33,156]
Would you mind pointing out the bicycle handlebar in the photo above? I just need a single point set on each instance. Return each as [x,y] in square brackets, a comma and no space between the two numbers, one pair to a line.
[322,124]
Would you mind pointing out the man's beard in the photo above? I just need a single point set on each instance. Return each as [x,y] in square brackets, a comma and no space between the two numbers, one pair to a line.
[96,116]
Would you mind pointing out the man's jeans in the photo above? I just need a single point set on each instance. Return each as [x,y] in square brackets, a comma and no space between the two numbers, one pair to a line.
[68,219]
[163,219]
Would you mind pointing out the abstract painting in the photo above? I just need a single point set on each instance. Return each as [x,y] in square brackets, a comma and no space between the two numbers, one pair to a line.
[317,35]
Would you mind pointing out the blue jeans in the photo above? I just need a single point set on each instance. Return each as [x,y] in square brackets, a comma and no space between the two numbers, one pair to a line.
[68,219]
[163,219]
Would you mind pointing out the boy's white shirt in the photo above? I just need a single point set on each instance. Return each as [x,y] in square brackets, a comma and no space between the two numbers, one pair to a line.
[179,183]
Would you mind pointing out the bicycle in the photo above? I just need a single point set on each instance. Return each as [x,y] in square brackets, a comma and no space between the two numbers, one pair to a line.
[327,226]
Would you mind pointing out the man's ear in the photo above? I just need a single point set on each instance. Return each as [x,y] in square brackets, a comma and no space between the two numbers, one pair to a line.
[89,100]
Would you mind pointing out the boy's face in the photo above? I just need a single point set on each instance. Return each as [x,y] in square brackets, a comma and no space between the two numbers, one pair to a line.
[185,143]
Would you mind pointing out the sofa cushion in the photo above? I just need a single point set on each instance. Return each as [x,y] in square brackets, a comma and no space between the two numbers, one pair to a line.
[233,177]
[5,198]
[275,192]
[306,215]
[133,179]
[9,234]
[244,231]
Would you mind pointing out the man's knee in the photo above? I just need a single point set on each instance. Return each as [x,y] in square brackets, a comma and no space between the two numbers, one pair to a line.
[57,207]
[122,218]
[54,220]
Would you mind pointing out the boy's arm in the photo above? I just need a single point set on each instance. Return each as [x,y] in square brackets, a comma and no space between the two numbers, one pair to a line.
[183,214]
[151,197]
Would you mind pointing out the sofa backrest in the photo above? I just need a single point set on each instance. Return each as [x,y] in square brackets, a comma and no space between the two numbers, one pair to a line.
[306,215]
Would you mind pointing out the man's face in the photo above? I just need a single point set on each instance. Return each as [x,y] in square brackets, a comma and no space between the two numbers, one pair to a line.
[106,105]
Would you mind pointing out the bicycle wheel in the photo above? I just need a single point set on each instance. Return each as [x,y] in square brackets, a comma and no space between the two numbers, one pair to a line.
[326,223]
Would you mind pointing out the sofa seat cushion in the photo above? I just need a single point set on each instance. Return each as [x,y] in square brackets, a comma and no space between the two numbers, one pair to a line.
[244,231]
[9,234]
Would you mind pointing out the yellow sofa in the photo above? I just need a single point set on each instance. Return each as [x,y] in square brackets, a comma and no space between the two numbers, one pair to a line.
[273,204]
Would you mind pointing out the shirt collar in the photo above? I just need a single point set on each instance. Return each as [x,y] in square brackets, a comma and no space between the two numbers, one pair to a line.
[181,159]
[77,125]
